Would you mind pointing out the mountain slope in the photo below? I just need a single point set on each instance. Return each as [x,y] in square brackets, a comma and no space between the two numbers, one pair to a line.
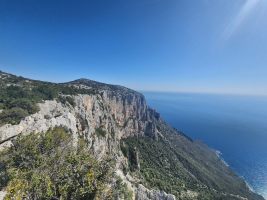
[114,121]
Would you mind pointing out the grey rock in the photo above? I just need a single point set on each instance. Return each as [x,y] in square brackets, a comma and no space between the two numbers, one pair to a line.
[143,193]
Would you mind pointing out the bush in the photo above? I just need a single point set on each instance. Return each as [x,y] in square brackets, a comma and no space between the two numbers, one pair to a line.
[47,166]
[100,132]
[24,104]
[46,92]
[121,191]
[67,99]
[26,97]
[12,116]
[159,165]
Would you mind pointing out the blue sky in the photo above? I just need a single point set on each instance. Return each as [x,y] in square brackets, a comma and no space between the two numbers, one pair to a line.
[215,46]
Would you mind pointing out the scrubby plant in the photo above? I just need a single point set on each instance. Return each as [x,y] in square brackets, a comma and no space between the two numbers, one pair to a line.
[67,99]
[100,132]
[12,116]
[48,166]
[19,98]
[121,190]
[160,165]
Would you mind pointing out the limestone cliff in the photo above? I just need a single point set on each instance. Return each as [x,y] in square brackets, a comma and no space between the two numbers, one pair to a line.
[118,116]
[117,121]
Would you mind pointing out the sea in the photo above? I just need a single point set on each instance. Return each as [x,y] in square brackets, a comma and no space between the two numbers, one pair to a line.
[234,125]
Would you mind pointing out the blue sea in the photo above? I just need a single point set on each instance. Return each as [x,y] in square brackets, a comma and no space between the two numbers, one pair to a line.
[234,125]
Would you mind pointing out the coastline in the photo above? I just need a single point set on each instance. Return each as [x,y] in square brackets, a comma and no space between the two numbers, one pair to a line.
[219,122]
[220,156]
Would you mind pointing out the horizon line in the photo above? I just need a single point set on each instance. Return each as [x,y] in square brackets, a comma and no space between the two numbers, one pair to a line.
[150,90]
[203,92]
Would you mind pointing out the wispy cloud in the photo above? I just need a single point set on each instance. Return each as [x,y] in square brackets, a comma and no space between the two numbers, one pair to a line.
[246,9]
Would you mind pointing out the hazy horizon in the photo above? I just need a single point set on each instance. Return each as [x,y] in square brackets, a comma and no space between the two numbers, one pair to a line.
[152,45]
[194,128]
[149,90]
[224,123]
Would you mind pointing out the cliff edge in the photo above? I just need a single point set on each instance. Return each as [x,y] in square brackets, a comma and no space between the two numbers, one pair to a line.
[151,158]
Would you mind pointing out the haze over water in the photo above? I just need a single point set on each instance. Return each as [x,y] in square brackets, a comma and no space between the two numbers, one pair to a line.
[234,125]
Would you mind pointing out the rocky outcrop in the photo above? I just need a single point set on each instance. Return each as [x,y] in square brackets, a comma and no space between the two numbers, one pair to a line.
[117,116]
[2,195]
[143,193]
[51,114]
[105,115]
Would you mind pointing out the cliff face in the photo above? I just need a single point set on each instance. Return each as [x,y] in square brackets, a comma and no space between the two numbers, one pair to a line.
[116,116]
[116,121]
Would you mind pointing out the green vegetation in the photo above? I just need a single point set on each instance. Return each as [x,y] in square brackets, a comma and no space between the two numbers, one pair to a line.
[167,169]
[121,191]
[159,166]
[131,153]
[67,99]
[16,104]
[47,166]
[12,116]
[19,97]
[100,132]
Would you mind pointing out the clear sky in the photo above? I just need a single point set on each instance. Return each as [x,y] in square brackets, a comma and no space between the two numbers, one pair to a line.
[161,45]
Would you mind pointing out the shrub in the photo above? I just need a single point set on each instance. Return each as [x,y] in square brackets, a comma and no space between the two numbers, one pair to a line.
[12,116]
[100,132]
[47,166]
[26,96]
[67,99]
[121,191]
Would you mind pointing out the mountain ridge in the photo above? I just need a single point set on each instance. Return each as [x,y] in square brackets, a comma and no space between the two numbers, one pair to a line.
[151,156]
